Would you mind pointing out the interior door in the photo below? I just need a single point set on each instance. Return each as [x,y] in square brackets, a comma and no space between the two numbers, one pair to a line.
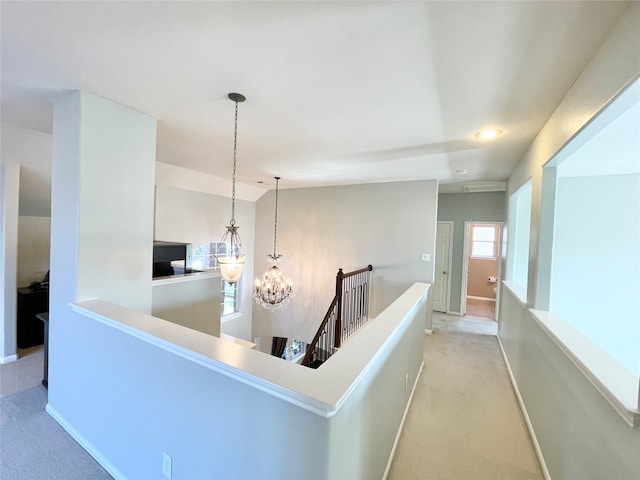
[443,254]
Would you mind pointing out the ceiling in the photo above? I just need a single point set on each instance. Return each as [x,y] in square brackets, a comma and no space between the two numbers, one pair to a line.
[337,92]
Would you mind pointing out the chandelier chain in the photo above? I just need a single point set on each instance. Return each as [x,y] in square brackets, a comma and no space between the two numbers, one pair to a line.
[233,182]
[275,223]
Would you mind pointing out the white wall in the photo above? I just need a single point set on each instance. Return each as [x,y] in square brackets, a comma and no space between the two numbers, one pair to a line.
[225,411]
[9,199]
[596,216]
[388,225]
[25,157]
[33,249]
[580,435]
[196,217]
[194,303]
[31,150]
[458,207]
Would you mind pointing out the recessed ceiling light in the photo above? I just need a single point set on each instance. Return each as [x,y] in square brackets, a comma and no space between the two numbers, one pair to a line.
[462,171]
[488,134]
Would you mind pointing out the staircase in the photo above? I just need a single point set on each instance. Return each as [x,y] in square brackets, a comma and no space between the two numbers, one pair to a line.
[348,312]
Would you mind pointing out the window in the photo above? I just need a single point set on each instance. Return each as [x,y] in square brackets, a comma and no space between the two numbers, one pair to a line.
[204,258]
[230,298]
[483,241]
[590,246]
[518,240]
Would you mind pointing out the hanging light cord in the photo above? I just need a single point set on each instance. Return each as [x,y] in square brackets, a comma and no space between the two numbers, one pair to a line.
[275,223]
[233,188]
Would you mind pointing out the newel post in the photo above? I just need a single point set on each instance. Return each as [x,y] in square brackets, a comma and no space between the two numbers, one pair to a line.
[338,325]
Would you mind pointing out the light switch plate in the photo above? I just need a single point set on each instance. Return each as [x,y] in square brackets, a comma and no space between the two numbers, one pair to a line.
[426,257]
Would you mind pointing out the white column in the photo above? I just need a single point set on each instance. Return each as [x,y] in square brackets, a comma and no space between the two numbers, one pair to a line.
[103,178]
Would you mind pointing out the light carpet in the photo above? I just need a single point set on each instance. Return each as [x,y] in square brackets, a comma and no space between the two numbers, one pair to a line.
[464,422]
[32,445]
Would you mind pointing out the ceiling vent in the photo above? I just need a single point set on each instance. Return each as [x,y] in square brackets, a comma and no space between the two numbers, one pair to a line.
[484,187]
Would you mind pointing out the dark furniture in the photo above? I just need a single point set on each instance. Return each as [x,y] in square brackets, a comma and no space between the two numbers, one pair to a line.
[31,302]
[168,255]
[45,376]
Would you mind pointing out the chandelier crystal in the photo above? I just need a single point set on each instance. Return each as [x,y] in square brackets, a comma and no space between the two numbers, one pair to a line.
[229,252]
[274,291]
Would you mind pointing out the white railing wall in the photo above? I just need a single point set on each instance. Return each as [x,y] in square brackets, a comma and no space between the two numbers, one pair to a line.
[220,410]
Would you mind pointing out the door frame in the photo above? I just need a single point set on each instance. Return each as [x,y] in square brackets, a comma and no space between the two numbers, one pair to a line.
[450,262]
[465,263]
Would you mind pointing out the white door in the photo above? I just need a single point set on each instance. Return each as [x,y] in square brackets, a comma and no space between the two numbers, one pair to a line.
[443,256]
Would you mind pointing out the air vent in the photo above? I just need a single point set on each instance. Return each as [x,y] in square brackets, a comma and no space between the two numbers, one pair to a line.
[484,187]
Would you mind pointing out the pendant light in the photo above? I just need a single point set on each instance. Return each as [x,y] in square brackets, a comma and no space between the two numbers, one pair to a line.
[229,252]
[274,290]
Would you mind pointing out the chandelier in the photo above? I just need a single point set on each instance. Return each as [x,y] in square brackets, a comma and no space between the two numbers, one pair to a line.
[229,252]
[274,290]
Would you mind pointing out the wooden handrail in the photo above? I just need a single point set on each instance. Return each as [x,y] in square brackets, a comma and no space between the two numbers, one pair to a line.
[357,309]
[314,343]
[368,268]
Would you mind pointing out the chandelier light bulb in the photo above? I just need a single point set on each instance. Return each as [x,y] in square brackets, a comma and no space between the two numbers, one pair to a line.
[274,291]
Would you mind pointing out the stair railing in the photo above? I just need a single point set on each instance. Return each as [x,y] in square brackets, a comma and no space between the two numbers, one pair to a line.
[349,311]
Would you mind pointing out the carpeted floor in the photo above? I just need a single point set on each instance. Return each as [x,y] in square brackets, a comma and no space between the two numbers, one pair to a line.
[464,422]
[32,445]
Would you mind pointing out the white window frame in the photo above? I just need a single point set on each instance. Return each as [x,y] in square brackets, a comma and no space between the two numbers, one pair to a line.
[518,240]
[494,242]
[237,300]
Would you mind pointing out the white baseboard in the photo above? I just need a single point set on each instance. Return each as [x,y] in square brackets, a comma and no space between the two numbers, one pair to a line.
[88,446]
[404,417]
[428,331]
[8,359]
[488,299]
[525,415]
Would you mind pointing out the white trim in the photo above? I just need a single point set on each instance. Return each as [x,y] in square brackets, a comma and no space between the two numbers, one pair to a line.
[450,265]
[401,427]
[230,316]
[607,375]
[428,331]
[457,314]
[465,268]
[237,341]
[525,415]
[84,443]
[8,359]
[188,277]
[488,299]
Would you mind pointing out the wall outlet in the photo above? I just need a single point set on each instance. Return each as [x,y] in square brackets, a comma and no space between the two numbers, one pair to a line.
[166,465]
[426,257]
